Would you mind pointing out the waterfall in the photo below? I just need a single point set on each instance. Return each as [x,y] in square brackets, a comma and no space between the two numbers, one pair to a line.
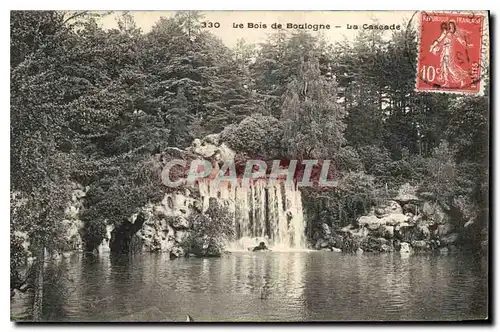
[266,212]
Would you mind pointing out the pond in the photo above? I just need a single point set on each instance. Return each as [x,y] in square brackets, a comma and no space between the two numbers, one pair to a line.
[264,286]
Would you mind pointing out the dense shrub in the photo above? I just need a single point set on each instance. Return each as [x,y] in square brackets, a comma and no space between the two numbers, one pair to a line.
[356,193]
[256,136]
[376,160]
[210,230]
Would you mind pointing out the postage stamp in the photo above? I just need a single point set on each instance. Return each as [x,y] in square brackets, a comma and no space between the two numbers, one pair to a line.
[450,52]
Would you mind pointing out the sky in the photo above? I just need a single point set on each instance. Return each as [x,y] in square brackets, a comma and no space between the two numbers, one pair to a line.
[338,21]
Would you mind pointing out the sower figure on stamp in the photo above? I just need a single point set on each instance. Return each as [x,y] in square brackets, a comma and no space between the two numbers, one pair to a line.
[451,71]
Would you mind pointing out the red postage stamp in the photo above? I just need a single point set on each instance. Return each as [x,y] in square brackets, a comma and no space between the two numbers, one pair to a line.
[450,52]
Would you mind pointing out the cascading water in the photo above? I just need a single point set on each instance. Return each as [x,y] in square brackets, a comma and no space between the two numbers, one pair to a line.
[262,212]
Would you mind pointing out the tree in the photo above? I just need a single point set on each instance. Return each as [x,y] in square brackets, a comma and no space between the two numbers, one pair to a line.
[179,56]
[442,174]
[257,136]
[313,126]
[39,163]
[277,62]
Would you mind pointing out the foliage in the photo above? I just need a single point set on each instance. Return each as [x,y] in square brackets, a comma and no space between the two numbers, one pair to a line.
[376,159]
[442,173]
[355,195]
[257,136]
[348,159]
[313,126]
[210,230]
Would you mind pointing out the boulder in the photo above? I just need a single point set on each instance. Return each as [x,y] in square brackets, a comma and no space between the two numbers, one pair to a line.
[440,216]
[368,220]
[428,209]
[386,248]
[434,213]
[179,222]
[336,249]
[410,208]
[176,252]
[180,235]
[395,219]
[326,231]
[204,148]
[72,212]
[322,243]
[423,232]
[390,207]
[160,211]
[404,247]
[406,193]
[373,226]
[361,232]
[449,239]
[77,195]
[212,139]
[211,146]
[348,229]
[419,245]
[388,232]
[421,221]
[226,154]
[443,230]
[261,247]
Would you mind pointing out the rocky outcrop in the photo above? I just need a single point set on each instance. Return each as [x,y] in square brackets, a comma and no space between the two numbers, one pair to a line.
[165,226]
[69,229]
[167,223]
[408,223]
[155,228]
[211,146]
[261,247]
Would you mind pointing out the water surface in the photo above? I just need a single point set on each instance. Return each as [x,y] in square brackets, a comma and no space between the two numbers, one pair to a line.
[266,286]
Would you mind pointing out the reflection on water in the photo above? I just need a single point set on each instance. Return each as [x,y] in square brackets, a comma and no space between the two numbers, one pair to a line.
[298,286]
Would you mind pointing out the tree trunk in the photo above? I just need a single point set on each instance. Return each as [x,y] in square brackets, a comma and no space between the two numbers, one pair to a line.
[38,286]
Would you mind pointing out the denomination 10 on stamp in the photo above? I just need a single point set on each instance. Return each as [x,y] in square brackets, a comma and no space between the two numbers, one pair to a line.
[449,58]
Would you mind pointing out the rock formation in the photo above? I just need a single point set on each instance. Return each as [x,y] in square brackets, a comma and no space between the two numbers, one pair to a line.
[406,223]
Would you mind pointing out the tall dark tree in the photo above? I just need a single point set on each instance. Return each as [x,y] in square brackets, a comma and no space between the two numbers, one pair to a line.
[313,120]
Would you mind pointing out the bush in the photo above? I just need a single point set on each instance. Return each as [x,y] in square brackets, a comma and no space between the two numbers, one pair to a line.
[349,243]
[376,160]
[358,192]
[210,231]
[348,159]
[442,174]
[257,136]
[93,233]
